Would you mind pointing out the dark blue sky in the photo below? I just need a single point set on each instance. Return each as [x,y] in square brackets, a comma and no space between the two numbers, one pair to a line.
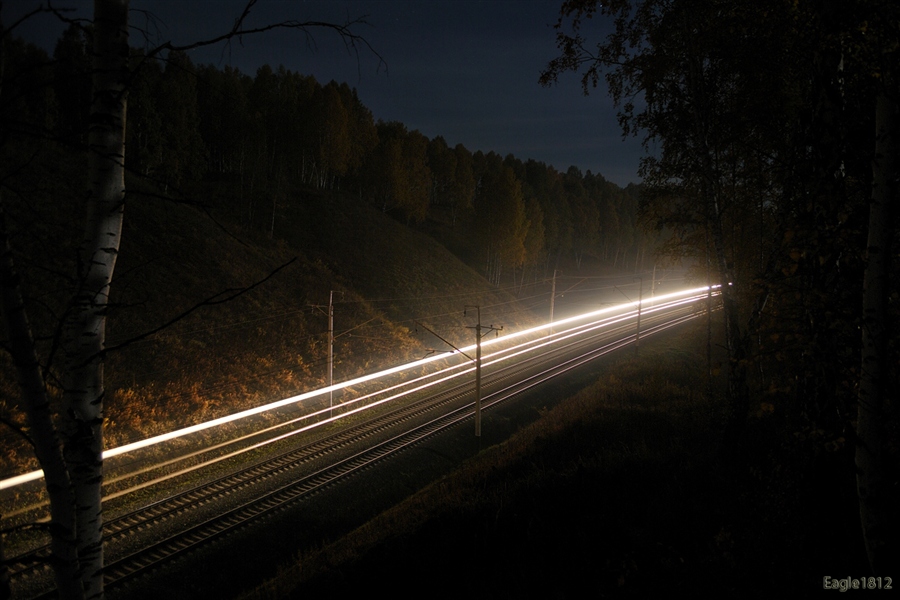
[463,69]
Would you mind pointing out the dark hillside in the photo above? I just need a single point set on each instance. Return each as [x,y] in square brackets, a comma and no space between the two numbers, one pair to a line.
[406,271]
[230,178]
[269,342]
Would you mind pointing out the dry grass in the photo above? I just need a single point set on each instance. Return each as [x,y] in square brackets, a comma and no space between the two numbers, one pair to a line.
[615,492]
[267,344]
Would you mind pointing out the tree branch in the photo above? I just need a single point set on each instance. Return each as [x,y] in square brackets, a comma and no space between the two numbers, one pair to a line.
[352,41]
[219,298]
[17,429]
[4,31]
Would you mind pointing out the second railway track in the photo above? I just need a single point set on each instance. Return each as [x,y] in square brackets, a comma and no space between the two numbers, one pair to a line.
[301,472]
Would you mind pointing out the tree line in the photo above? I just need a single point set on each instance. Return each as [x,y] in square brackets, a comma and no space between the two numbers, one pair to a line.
[189,131]
[64,154]
[778,169]
[274,133]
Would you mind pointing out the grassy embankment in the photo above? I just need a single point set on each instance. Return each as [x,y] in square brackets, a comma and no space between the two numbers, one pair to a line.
[265,344]
[616,492]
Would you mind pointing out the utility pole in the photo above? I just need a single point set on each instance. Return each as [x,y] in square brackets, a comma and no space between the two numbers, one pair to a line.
[637,337]
[478,335]
[478,375]
[552,299]
[329,312]
[330,352]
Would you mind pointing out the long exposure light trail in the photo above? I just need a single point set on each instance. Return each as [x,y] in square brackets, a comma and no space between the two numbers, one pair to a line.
[488,360]
[112,452]
[569,333]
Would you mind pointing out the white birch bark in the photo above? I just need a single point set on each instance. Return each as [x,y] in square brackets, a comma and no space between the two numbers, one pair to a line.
[85,327]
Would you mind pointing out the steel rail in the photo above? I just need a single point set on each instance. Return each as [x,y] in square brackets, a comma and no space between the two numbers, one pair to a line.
[127,567]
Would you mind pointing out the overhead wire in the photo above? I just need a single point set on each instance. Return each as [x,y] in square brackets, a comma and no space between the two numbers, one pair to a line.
[518,305]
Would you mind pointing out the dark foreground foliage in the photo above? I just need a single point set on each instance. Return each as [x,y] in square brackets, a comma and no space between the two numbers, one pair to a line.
[616,492]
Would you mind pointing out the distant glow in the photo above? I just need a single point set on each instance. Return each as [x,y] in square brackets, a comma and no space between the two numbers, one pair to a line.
[35,475]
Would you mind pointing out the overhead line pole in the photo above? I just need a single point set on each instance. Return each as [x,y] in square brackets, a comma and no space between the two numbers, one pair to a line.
[478,335]
[330,352]
[330,377]
[478,374]
[637,337]
[552,299]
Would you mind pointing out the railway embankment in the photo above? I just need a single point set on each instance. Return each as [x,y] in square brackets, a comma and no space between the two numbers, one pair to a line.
[616,491]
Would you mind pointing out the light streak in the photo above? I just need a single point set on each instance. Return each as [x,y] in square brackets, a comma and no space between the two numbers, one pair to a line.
[151,441]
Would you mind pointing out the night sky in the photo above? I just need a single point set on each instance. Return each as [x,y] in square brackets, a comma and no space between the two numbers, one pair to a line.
[463,69]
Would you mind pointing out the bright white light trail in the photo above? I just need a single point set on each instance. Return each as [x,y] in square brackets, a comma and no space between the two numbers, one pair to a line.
[508,352]
[38,474]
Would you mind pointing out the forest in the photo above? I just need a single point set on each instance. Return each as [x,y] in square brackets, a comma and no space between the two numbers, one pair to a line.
[774,171]
[778,167]
[265,136]
[253,154]
[221,164]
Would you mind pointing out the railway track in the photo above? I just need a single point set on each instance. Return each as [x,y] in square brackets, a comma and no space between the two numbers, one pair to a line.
[420,418]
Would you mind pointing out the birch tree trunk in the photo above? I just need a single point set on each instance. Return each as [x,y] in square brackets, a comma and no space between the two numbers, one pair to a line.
[873,480]
[85,327]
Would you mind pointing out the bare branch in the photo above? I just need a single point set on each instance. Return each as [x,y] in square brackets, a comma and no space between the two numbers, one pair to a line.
[352,40]
[221,297]
[17,429]
[7,30]
[152,21]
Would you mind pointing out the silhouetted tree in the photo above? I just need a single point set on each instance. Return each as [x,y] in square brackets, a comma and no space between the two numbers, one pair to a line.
[763,114]
[72,83]
[398,172]
[67,434]
[184,156]
[500,222]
